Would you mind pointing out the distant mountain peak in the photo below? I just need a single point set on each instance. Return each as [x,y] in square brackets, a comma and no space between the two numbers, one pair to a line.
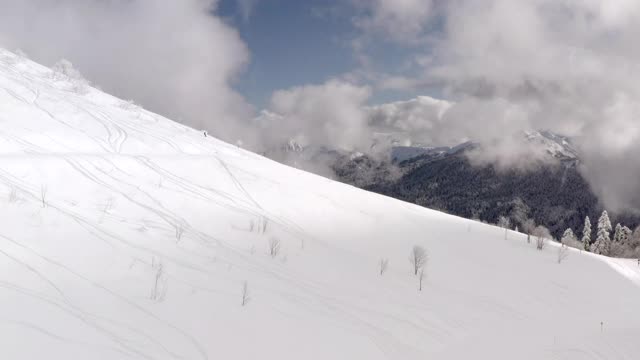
[558,146]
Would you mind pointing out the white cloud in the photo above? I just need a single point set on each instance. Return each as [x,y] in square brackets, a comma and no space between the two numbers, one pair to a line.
[569,66]
[420,119]
[174,57]
[327,114]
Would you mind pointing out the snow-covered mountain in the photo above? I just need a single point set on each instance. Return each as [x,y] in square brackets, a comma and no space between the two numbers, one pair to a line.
[404,153]
[557,146]
[128,236]
[388,147]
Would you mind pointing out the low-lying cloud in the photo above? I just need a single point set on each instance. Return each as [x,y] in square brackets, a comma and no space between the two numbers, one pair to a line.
[174,57]
[567,66]
[329,114]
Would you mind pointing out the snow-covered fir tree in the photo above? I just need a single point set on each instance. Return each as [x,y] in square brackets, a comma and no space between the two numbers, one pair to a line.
[586,234]
[617,236]
[568,236]
[570,239]
[627,233]
[622,246]
[602,244]
[617,247]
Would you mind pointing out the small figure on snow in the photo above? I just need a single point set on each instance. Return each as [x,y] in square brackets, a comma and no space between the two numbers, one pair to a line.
[205,133]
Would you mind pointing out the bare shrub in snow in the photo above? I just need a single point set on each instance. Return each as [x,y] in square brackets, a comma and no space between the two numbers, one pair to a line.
[274,246]
[384,264]
[541,234]
[43,196]
[179,232]
[563,252]
[13,195]
[245,293]
[504,222]
[260,225]
[108,205]
[519,211]
[418,258]
[106,208]
[528,226]
[21,54]
[128,105]
[574,243]
[159,289]
[63,70]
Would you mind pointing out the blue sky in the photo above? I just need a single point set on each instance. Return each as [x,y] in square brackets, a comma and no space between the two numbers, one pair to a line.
[294,43]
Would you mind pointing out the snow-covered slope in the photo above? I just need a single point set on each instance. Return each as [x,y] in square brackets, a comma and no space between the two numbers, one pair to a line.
[558,146]
[128,236]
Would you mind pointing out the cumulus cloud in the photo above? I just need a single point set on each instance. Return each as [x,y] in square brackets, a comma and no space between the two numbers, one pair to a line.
[318,115]
[174,57]
[420,118]
[567,66]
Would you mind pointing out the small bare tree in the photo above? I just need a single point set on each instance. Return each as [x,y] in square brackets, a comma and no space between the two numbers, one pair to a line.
[106,208]
[528,227]
[43,196]
[504,222]
[274,246]
[13,195]
[563,252]
[108,205]
[384,264]
[245,293]
[541,233]
[418,258]
[179,232]
[159,289]
[264,224]
[420,278]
